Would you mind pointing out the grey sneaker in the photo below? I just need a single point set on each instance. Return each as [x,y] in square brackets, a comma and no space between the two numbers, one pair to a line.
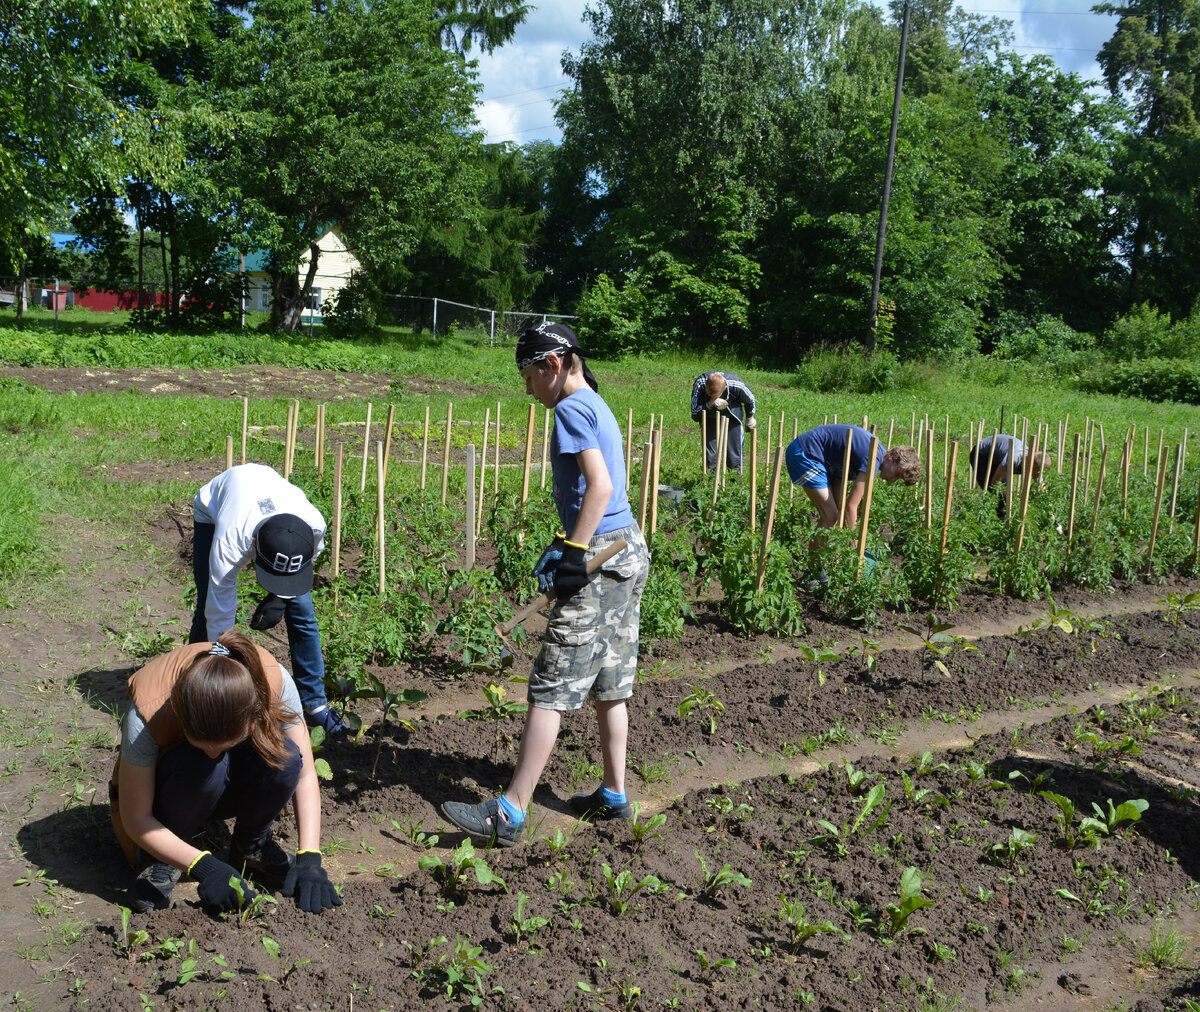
[483,822]
[593,806]
[267,863]
[152,888]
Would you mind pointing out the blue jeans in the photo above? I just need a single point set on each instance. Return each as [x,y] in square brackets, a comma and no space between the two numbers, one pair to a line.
[733,452]
[304,639]
[190,788]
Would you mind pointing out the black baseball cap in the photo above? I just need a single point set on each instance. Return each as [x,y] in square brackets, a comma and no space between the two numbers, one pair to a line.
[283,560]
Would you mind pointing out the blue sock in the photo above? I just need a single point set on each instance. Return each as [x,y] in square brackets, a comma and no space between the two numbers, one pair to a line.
[514,815]
[612,797]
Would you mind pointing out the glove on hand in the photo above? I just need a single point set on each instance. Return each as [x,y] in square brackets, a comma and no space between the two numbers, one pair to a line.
[571,575]
[751,423]
[307,881]
[215,889]
[720,404]
[268,613]
[548,564]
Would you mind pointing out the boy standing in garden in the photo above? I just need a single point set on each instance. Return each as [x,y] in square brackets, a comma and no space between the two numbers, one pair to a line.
[591,643]
[815,459]
[251,511]
[717,393]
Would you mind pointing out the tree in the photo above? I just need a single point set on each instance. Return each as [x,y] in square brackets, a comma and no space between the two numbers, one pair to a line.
[487,23]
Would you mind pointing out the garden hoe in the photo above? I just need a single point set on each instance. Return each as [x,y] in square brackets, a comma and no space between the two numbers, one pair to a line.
[542,600]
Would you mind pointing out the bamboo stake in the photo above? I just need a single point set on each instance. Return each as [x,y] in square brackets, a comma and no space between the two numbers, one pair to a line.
[387,440]
[1160,447]
[704,420]
[496,469]
[724,450]
[717,462]
[245,424]
[867,494]
[337,508]
[1184,451]
[1099,488]
[1066,431]
[446,451]
[1008,480]
[946,515]
[945,447]
[228,452]
[1026,488]
[1126,461]
[1158,496]
[469,516]
[770,424]
[1175,481]
[928,485]
[425,448]
[647,452]
[320,440]
[845,477]
[362,484]
[891,432]
[753,479]
[912,430]
[380,532]
[545,447]
[1074,491]
[628,443]
[487,429]
[1146,452]
[529,455]
[1090,429]
[987,476]
[655,462]
[769,523]
[287,444]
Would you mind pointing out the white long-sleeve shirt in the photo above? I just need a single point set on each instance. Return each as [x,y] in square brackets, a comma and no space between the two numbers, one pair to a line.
[236,502]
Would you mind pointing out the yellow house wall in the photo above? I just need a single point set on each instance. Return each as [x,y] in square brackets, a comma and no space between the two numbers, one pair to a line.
[335,266]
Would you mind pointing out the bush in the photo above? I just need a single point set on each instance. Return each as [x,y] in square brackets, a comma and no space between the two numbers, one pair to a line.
[1152,379]
[352,311]
[1147,333]
[612,321]
[825,370]
[1050,339]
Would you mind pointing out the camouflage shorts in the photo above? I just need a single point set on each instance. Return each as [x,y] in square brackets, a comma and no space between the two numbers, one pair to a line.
[591,643]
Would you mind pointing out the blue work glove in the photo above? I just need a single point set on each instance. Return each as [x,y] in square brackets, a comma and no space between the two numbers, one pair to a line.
[215,886]
[548,564]
[571,575]
[307,881]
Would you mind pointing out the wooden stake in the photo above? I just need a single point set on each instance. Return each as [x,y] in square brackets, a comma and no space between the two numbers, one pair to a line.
[487,429]
[1008,481]
[425,448]
[245,424]
[529,455]
[1099,488]
[946,515]
[928,484]
[655,463]
[1074,491]
[1090,428]
[704,443]
[628,444]
[446,451]
[647,453]
[287,445]
[1158,497]
[987,476]
[337,508]
[1146,452]
[945,447]
[912,430]
[753,479]
[1066,431]
[1026,488]
[769,523]
[724,449]
[1126,460]
[387,440]
[770,424]
[362,484]
[1175,482]
[496,469]
[321,412]
[867,494]
[1158,456]
[228,452]
[380,533]
[891,432]
[845,477]
[469,516]
[545,447]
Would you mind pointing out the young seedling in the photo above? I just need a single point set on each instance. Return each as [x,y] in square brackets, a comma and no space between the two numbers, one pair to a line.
[273,950]
[522,926]
[390,703]
[453,872]
[706,705]
[863,825]
[712,883]
[557,843]
[415,832]
[128,942]
[709,967]
[938,641]
[497,707]
[824,654]
[1012,848]
[648,830]
[857,779]
[726,812]
[895,919]
[622,888]
[800,930]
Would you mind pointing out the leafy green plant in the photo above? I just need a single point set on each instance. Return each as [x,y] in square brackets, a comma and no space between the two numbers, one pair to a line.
[128,940]
[649,829]
[495,707]
[856,779]
[896,916]
[865,823]
[708,967]
[705,704]
[938,641]
[773,609]
[525,927]
[453,872]
[665,607]
[471,622]
[727,810]
[800,930]
[416,834]
[621,888]
[390,702]
[712,883]
[460,972]
[1008,851]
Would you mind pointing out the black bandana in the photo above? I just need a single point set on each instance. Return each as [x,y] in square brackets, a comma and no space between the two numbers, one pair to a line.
[536,343]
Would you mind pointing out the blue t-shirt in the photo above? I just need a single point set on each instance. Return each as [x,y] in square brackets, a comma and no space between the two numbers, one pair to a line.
[827,443]
[584,422]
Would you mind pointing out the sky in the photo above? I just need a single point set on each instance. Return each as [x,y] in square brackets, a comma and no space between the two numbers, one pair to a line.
[522,79]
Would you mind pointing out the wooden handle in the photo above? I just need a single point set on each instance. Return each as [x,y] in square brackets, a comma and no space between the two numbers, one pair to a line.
[540,602]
